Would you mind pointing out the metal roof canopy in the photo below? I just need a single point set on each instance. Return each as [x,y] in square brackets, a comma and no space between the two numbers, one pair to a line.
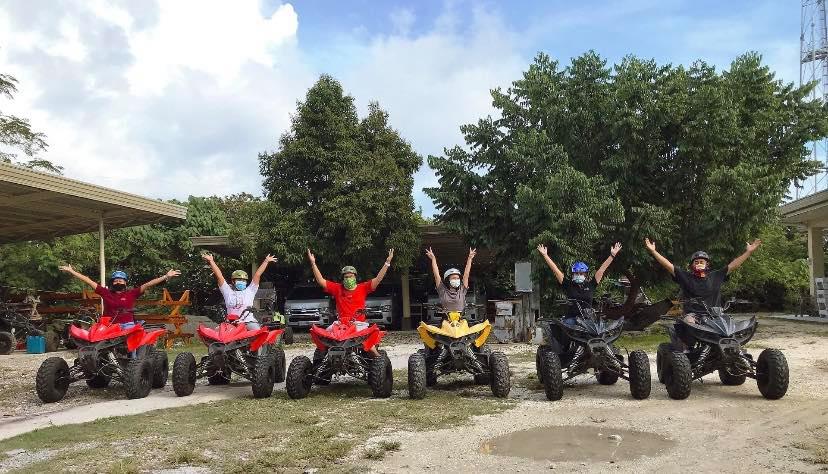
[41,206]
[810,211]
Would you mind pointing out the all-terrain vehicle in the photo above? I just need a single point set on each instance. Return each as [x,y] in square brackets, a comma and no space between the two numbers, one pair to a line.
[255,355]
[15,325]
[570,350]
[276,320]
[342,350]
[715,342]
[107,351]
[455,346]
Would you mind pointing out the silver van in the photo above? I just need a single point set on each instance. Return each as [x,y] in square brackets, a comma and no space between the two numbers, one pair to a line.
[383,306]
[307,305]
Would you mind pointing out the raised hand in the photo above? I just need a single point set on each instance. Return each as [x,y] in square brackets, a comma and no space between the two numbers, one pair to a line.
[472,253]
[173,273]
[311,257]
[390,255]
[752,246]
[615,249]
[649,244]
[430,254]
[66,268]
[208,257]
[542,249]
[271,259]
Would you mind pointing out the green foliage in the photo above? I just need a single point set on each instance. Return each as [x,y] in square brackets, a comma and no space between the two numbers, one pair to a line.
[586,155]
[337,184]
[16,134]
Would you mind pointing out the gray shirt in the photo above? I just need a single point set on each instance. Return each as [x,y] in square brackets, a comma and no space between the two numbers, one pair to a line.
[451,299]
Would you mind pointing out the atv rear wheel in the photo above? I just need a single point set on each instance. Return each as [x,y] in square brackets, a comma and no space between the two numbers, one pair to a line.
[52,379]
[7,342]
[539,360]
[287,336]
[640,378]
[663,349]
[500,377]
[606,377]
[552,377]
[381,376]
[281,364]
[98,380]
[482,379]
[138,378]
[264,375]
[219,377]
[729,379]
[184,374]
[416,376]
[678,375]
[772,374]
[160,368]
[299,380]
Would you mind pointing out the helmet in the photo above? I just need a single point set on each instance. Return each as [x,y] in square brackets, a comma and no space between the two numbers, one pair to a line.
[118,274]
[450,272]
[348,269]
[239,275]
[579,267]
[701,254]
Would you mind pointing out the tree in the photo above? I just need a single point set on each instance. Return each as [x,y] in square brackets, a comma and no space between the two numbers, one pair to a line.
[17,133]
[587,155]
[340,185]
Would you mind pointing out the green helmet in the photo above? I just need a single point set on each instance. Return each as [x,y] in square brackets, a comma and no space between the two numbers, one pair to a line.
[348,269]
[239,275]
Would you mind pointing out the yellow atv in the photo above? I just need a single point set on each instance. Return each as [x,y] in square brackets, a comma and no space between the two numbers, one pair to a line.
[457,347]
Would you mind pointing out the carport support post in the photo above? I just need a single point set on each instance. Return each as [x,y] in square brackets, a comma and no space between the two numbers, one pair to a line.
[816,257]
[406,302]
[102,249]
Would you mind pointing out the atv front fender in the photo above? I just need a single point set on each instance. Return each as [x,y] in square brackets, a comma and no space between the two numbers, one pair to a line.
[484,334]
[372,340]
[425,336]
[265,339]
[140,338]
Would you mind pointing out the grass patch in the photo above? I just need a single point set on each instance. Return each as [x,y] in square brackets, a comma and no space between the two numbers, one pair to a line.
[376,453]
[814,446]
[646,340]
[266,435]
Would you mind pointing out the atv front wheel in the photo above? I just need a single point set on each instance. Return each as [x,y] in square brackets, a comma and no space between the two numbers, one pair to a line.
[138,378]
[500,377]
[160,368]
[539,360]
[729,379]
[552,377]
[281,364]
[52,379]
[7,342]
[264,375]
[661,354]
[184,374]
[299,380]
[640,379]
[381,376]
[678,375]
[287,336]
[772,374]
[416,376]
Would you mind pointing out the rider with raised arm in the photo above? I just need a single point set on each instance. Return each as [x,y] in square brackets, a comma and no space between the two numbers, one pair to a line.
[349,295]
[118,301]
[700,281]
[579,288]
[241,295]
[451,289]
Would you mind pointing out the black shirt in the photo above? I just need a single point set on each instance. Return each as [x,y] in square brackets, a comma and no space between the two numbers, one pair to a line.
[579,291]
[708,288]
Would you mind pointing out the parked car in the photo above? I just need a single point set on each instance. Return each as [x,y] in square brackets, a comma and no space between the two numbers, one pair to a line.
[384,306]
[307,305]
[475,307]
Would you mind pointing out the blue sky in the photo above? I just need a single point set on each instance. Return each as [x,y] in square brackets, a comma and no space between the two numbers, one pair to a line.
[184,94]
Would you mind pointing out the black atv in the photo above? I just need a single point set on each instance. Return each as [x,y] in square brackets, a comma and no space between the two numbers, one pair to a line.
[571,350]
[715,342]
[15,326]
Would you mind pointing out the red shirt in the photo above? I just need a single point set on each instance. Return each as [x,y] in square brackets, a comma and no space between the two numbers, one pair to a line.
[349,301]
[119,305]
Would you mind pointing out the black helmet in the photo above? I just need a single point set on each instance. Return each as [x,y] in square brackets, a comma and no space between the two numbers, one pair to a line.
[701,254]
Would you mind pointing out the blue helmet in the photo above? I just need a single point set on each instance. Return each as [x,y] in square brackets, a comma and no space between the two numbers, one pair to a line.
[118,274]
[579,267]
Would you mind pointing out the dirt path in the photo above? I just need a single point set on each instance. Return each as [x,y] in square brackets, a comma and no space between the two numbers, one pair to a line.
[731,429]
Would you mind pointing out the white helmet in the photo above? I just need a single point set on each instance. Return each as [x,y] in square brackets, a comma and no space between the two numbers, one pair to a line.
[450,272]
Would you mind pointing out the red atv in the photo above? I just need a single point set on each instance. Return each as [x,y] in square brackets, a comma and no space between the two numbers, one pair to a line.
[107,351]
[344,350]
[233,349]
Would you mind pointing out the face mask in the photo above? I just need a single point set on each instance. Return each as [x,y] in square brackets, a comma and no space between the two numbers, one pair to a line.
[454,283]
[240,285]
[579,278]
[119,287]
[349,283]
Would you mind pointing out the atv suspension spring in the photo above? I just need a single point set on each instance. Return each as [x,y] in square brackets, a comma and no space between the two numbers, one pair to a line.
[703,355]
[577,359]
[471,359]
